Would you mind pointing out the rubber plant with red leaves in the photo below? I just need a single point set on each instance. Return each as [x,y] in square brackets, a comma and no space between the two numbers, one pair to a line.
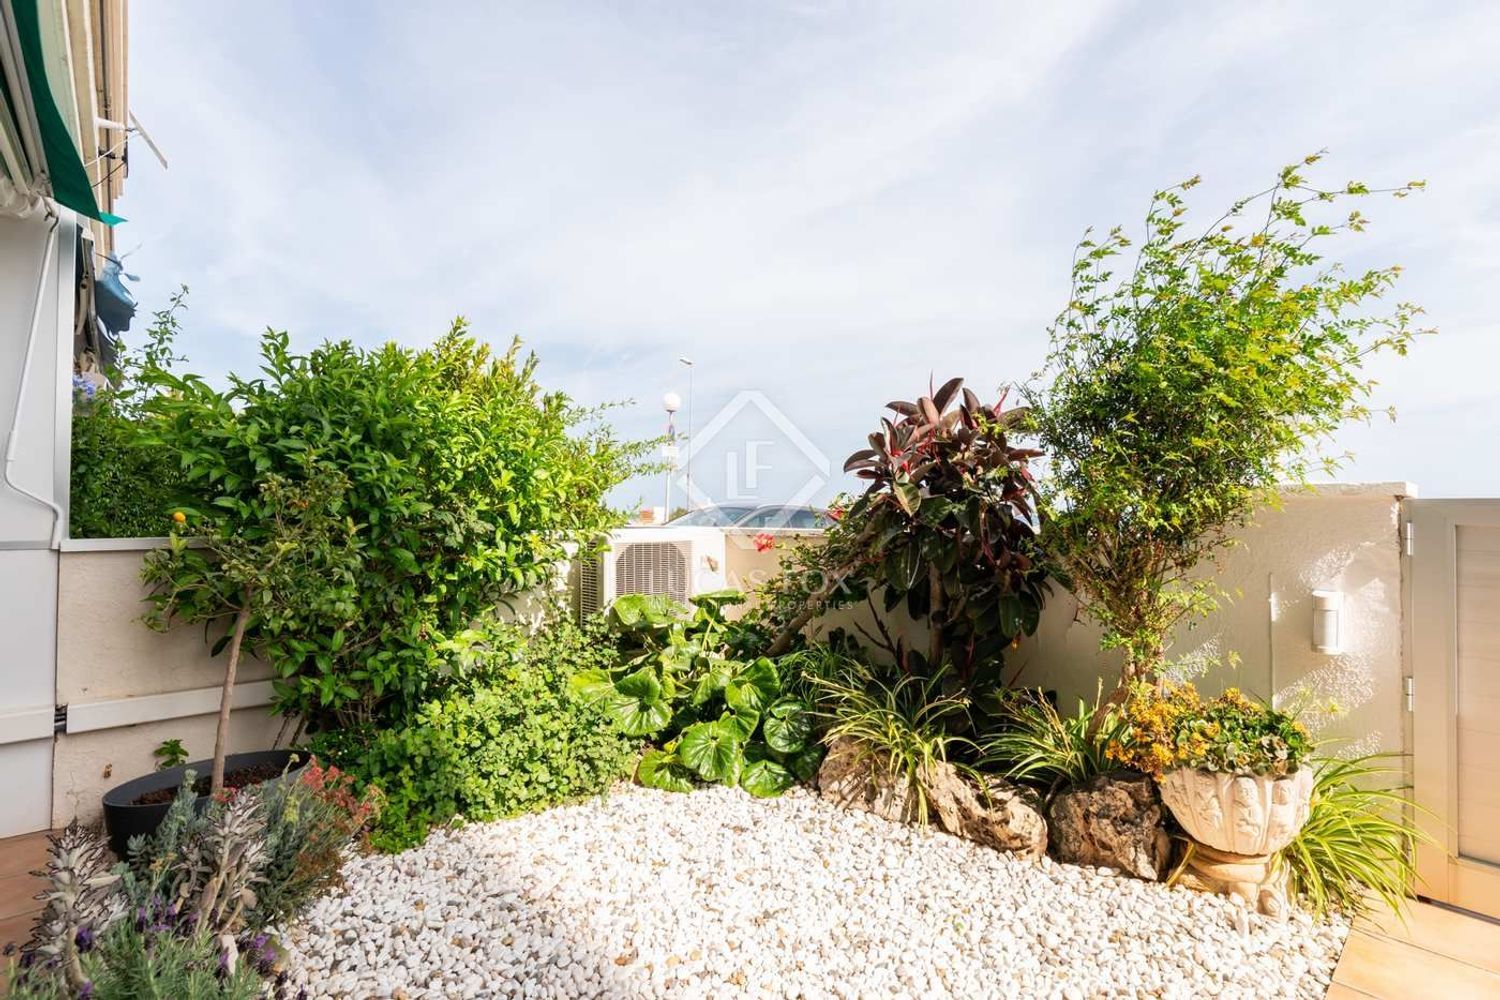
[946,527]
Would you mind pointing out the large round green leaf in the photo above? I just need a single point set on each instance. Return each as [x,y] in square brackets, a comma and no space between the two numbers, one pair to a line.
[754,688]
[714,750]
[711,683]
[788,725]
[744,723]
[637,705]
[592,685]
[765,778]
[645,611]
[659,769]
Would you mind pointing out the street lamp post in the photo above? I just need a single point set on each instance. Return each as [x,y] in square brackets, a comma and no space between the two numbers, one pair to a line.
[688,472]
[671,402]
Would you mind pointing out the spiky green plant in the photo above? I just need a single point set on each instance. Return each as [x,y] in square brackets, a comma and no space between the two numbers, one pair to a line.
[904,728]
[1035,743]
[1358,840]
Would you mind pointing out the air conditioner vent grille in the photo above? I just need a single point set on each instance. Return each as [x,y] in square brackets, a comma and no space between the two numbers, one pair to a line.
[653,568]
[590,587]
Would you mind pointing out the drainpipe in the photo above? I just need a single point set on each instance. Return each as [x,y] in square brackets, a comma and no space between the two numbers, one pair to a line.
[14,438]
[1273,612]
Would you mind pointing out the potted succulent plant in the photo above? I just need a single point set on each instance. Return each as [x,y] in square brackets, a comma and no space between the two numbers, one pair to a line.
[1231,770]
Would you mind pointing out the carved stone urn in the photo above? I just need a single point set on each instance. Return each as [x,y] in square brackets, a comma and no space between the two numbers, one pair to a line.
[1238,813]
[1239,823]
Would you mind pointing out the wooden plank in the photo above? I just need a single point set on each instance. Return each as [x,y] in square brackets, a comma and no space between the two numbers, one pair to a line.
[22,855]
[18,895]
[1441,931]
[1387,968]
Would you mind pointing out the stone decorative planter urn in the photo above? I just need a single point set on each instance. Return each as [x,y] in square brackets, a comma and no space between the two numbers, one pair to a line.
[1239,823]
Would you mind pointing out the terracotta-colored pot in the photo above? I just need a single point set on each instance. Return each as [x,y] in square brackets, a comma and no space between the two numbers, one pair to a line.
[1241,814]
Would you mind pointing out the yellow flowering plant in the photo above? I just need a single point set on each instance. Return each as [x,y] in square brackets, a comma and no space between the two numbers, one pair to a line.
[1170,726]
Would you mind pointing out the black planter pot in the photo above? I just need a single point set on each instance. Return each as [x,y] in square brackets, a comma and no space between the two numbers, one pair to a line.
[124,818]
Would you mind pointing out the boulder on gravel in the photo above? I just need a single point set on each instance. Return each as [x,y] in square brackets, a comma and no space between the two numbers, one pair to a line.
[1112,821]
[989,811]
[856,777]
[998,815]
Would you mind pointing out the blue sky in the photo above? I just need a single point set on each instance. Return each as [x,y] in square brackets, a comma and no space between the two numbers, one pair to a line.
[822,202]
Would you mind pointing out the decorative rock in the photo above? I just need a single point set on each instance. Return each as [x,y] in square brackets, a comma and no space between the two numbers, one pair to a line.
[856,778]
[1241,814]
[1001,816]
[1112,821]
[998,815]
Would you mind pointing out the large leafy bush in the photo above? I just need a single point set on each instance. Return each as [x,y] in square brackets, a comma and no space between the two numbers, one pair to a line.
[510,737]
[712,717]
[1181,393]
[465,485]
[946,530]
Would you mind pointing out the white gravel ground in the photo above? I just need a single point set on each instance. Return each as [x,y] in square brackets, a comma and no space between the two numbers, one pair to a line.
[715,894]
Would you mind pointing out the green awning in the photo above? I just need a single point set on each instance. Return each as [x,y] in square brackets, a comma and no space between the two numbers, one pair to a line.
[65,169]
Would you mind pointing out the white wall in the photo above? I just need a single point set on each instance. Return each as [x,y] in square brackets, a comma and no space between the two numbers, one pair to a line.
[28,566]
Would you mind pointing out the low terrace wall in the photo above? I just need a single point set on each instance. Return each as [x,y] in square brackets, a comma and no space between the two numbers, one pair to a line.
[127,688]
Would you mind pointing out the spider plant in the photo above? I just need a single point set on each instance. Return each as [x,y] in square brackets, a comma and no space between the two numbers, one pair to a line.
[1357,844]
[1035,743]
[903,727]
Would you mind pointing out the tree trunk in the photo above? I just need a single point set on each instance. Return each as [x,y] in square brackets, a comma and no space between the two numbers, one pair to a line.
[935,620]
[221,738]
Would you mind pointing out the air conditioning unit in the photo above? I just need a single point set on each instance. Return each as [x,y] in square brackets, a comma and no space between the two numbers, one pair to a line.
[677,562]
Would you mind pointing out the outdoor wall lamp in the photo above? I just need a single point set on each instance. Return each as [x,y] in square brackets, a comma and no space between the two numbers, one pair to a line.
[1328,613]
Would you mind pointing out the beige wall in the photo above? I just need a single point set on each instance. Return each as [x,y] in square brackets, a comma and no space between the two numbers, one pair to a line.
[86,765]
[110,665]
[1343,537]
[105,651]
[746,567]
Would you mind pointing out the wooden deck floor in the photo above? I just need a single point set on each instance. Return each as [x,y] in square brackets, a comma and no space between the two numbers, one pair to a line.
[1438,953]
[19,856]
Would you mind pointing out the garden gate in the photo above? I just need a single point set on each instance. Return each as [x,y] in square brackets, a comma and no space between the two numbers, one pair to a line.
[1453,691]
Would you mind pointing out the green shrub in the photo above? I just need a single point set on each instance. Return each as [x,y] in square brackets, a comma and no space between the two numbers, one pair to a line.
[122,485]
[133,960]
[711,717]
[509,738]
[465,483]
[1192,374]
[906,727]
[310,822]
[945,531]
[1357,840]
[166,925]
[1031,741]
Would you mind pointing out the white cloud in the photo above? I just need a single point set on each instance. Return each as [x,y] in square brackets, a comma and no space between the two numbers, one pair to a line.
[822,201]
